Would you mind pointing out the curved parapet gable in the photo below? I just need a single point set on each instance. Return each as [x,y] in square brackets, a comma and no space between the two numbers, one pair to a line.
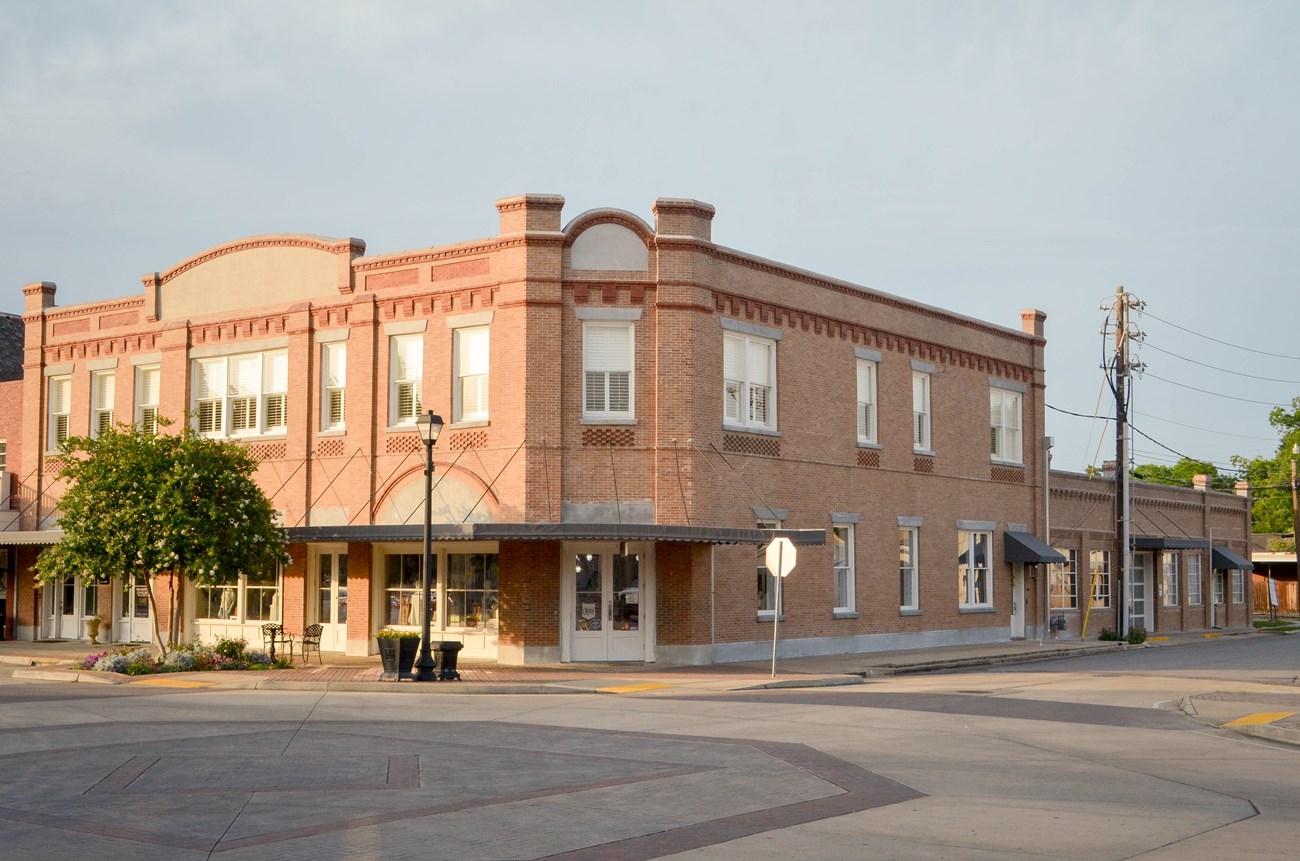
[608,239]
[254,272]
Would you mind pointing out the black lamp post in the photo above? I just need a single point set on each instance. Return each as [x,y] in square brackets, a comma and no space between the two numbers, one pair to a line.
[429,427]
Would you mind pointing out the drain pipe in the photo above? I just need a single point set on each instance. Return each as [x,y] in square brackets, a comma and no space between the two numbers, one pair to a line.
[1043,581]
[713,606]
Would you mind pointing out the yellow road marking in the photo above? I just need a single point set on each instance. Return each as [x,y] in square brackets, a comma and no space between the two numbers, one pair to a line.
[1157,639]
[1213,635]
[172,683]
[632,689]
[1259,718]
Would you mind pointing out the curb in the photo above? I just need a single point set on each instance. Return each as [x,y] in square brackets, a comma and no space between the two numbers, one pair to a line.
[982,661]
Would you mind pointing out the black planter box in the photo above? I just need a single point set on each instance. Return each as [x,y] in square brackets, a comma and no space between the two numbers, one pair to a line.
[398,657]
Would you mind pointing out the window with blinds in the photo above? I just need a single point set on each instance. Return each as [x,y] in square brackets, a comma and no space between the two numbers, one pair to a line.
[866,401]
[407,369]
[1004,425]
[147,390]
[102,386]
[470,402]
[749,381]
[920,411]
[60,410]
[242,395]
[607,370]
[334,362]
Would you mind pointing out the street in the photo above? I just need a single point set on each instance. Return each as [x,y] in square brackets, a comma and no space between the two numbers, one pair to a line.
[1086,758]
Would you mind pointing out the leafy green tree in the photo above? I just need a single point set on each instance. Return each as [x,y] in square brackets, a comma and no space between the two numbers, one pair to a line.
[1270,477]
[1181,473]
[175,505]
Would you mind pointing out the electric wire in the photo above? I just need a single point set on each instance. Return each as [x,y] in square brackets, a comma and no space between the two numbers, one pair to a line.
[1150,346]
[1217,341]
[1216,394]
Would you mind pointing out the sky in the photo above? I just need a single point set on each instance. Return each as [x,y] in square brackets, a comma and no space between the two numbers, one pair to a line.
[982,157]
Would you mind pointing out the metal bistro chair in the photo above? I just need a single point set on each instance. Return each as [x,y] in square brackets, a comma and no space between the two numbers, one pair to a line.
[273,635]
[311,642]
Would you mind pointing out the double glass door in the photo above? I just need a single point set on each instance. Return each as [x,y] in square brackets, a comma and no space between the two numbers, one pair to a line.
[332,600]
[607,608]
[133,624]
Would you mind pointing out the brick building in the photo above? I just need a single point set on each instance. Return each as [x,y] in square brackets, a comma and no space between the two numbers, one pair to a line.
[631,409]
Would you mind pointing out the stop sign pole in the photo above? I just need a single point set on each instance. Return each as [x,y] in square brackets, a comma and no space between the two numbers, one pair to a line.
[779,558]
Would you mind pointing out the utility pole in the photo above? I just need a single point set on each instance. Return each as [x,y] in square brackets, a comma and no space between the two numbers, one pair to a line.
[1124,333]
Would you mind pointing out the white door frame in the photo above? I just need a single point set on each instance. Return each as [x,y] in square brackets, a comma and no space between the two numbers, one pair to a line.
[334,636]
[1017,600]
[645,599]
[128,627]
[1147,560]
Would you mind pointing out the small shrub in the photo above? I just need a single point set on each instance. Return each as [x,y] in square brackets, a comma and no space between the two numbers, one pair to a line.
[180,661]
[88,662]
[231,647]
[282,663]
[1137,635]
[133,662]
[257,656]
[1108,635]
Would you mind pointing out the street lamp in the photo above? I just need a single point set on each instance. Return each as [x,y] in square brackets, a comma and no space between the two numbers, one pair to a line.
[429,426]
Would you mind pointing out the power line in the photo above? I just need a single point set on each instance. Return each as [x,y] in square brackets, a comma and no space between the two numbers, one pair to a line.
[1224,343]
[1149,345]
[1216,394]
[1207,430]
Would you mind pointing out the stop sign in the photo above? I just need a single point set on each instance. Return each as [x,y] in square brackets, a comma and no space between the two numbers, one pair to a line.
[780,556]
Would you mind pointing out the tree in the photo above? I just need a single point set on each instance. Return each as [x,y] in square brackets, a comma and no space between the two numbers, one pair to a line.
[1181,473]
[1270,478]
[178,505]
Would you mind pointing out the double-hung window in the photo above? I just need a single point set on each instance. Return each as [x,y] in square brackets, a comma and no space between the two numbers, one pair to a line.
[1217,586]
[1063,581]
[921,411]
[470,400]
[866,413]
[608,364]
[1004,425]
[147,386]
[406,374]
[975,577]
[1238,586]
[242,395]
[766,584]
[908,594]
[1171,578]
[1099,569]
[334,367]
[102,391]
[60,411]
[842,564]
[749,381]
[1194,595]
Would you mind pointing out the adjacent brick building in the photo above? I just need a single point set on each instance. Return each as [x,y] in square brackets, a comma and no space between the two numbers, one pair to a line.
[630,411]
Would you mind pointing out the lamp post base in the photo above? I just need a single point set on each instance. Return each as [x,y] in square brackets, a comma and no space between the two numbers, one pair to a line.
[425,666]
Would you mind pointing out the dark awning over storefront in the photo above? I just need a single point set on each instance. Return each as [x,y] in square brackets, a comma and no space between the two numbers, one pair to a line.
[1223,557]
[556,532]
[1029,548]
[1163,542]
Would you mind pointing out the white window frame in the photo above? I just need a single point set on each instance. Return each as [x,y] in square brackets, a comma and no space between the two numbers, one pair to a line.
[970,576]
[909,543]
[1099,564]
[921,421]
[607,365]
[103,391]
[1169,578]
[240,593]
[1005,426]
[334,371]
[408,381]
[766,585]
[1195,581]
[1238,586]
[866,408]
[60,417]
[148,384]
[246,394]
[842,537]
[1063,581]
[470,397]
[1216,581]
[746,403]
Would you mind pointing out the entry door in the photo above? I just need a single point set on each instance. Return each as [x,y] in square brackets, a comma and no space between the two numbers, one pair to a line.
[61,611]
[1018,601]
[133,624]
[332,569]
[608,606]
[1139,591]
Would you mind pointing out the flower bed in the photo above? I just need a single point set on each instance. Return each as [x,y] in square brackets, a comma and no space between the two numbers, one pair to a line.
[227,654]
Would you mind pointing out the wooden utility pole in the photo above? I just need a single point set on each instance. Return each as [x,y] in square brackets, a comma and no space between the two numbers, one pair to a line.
[1124,333]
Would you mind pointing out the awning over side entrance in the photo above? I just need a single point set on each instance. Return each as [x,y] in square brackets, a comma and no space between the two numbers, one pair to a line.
[1224,557]
[1028,548]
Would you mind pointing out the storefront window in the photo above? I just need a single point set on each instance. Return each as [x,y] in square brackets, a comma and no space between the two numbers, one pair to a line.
[472,580]
[402,589]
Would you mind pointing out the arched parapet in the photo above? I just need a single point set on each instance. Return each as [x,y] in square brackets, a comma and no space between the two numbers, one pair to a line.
[608,240]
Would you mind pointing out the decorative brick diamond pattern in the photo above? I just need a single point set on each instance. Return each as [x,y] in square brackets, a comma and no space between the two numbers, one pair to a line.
[267,451]
[602,437]
[759,445]
[468,439]
[329,448]
[869,458]
[1013,474]
[403,443]
[923,465]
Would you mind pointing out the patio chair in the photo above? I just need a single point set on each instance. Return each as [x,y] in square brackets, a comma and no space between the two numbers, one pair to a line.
[311,642]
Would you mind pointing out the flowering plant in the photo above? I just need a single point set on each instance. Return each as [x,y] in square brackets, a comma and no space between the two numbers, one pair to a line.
[394,634]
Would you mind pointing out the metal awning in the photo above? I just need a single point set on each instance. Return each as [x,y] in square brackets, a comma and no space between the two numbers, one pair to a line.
[1224,557]
[556,532]
[1164,542]
[1029,548]
[30,538]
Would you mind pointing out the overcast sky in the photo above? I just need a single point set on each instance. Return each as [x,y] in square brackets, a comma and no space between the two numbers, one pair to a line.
[982,157]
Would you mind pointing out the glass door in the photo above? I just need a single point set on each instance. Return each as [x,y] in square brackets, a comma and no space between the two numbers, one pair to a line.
[332,606]
[606,603]
[133,612]
[59,600]
[1139,590]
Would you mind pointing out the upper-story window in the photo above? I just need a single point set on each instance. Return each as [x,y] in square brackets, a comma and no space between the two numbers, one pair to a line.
[102,386]
[60,411]
[470,400]
[334,367]
[1004,425]
[407,378]
[866,401]
[147,390]
[920,411]
[749,381]
[607,370]
[242,395]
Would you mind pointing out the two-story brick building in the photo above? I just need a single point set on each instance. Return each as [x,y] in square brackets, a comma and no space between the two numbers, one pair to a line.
[630,409]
